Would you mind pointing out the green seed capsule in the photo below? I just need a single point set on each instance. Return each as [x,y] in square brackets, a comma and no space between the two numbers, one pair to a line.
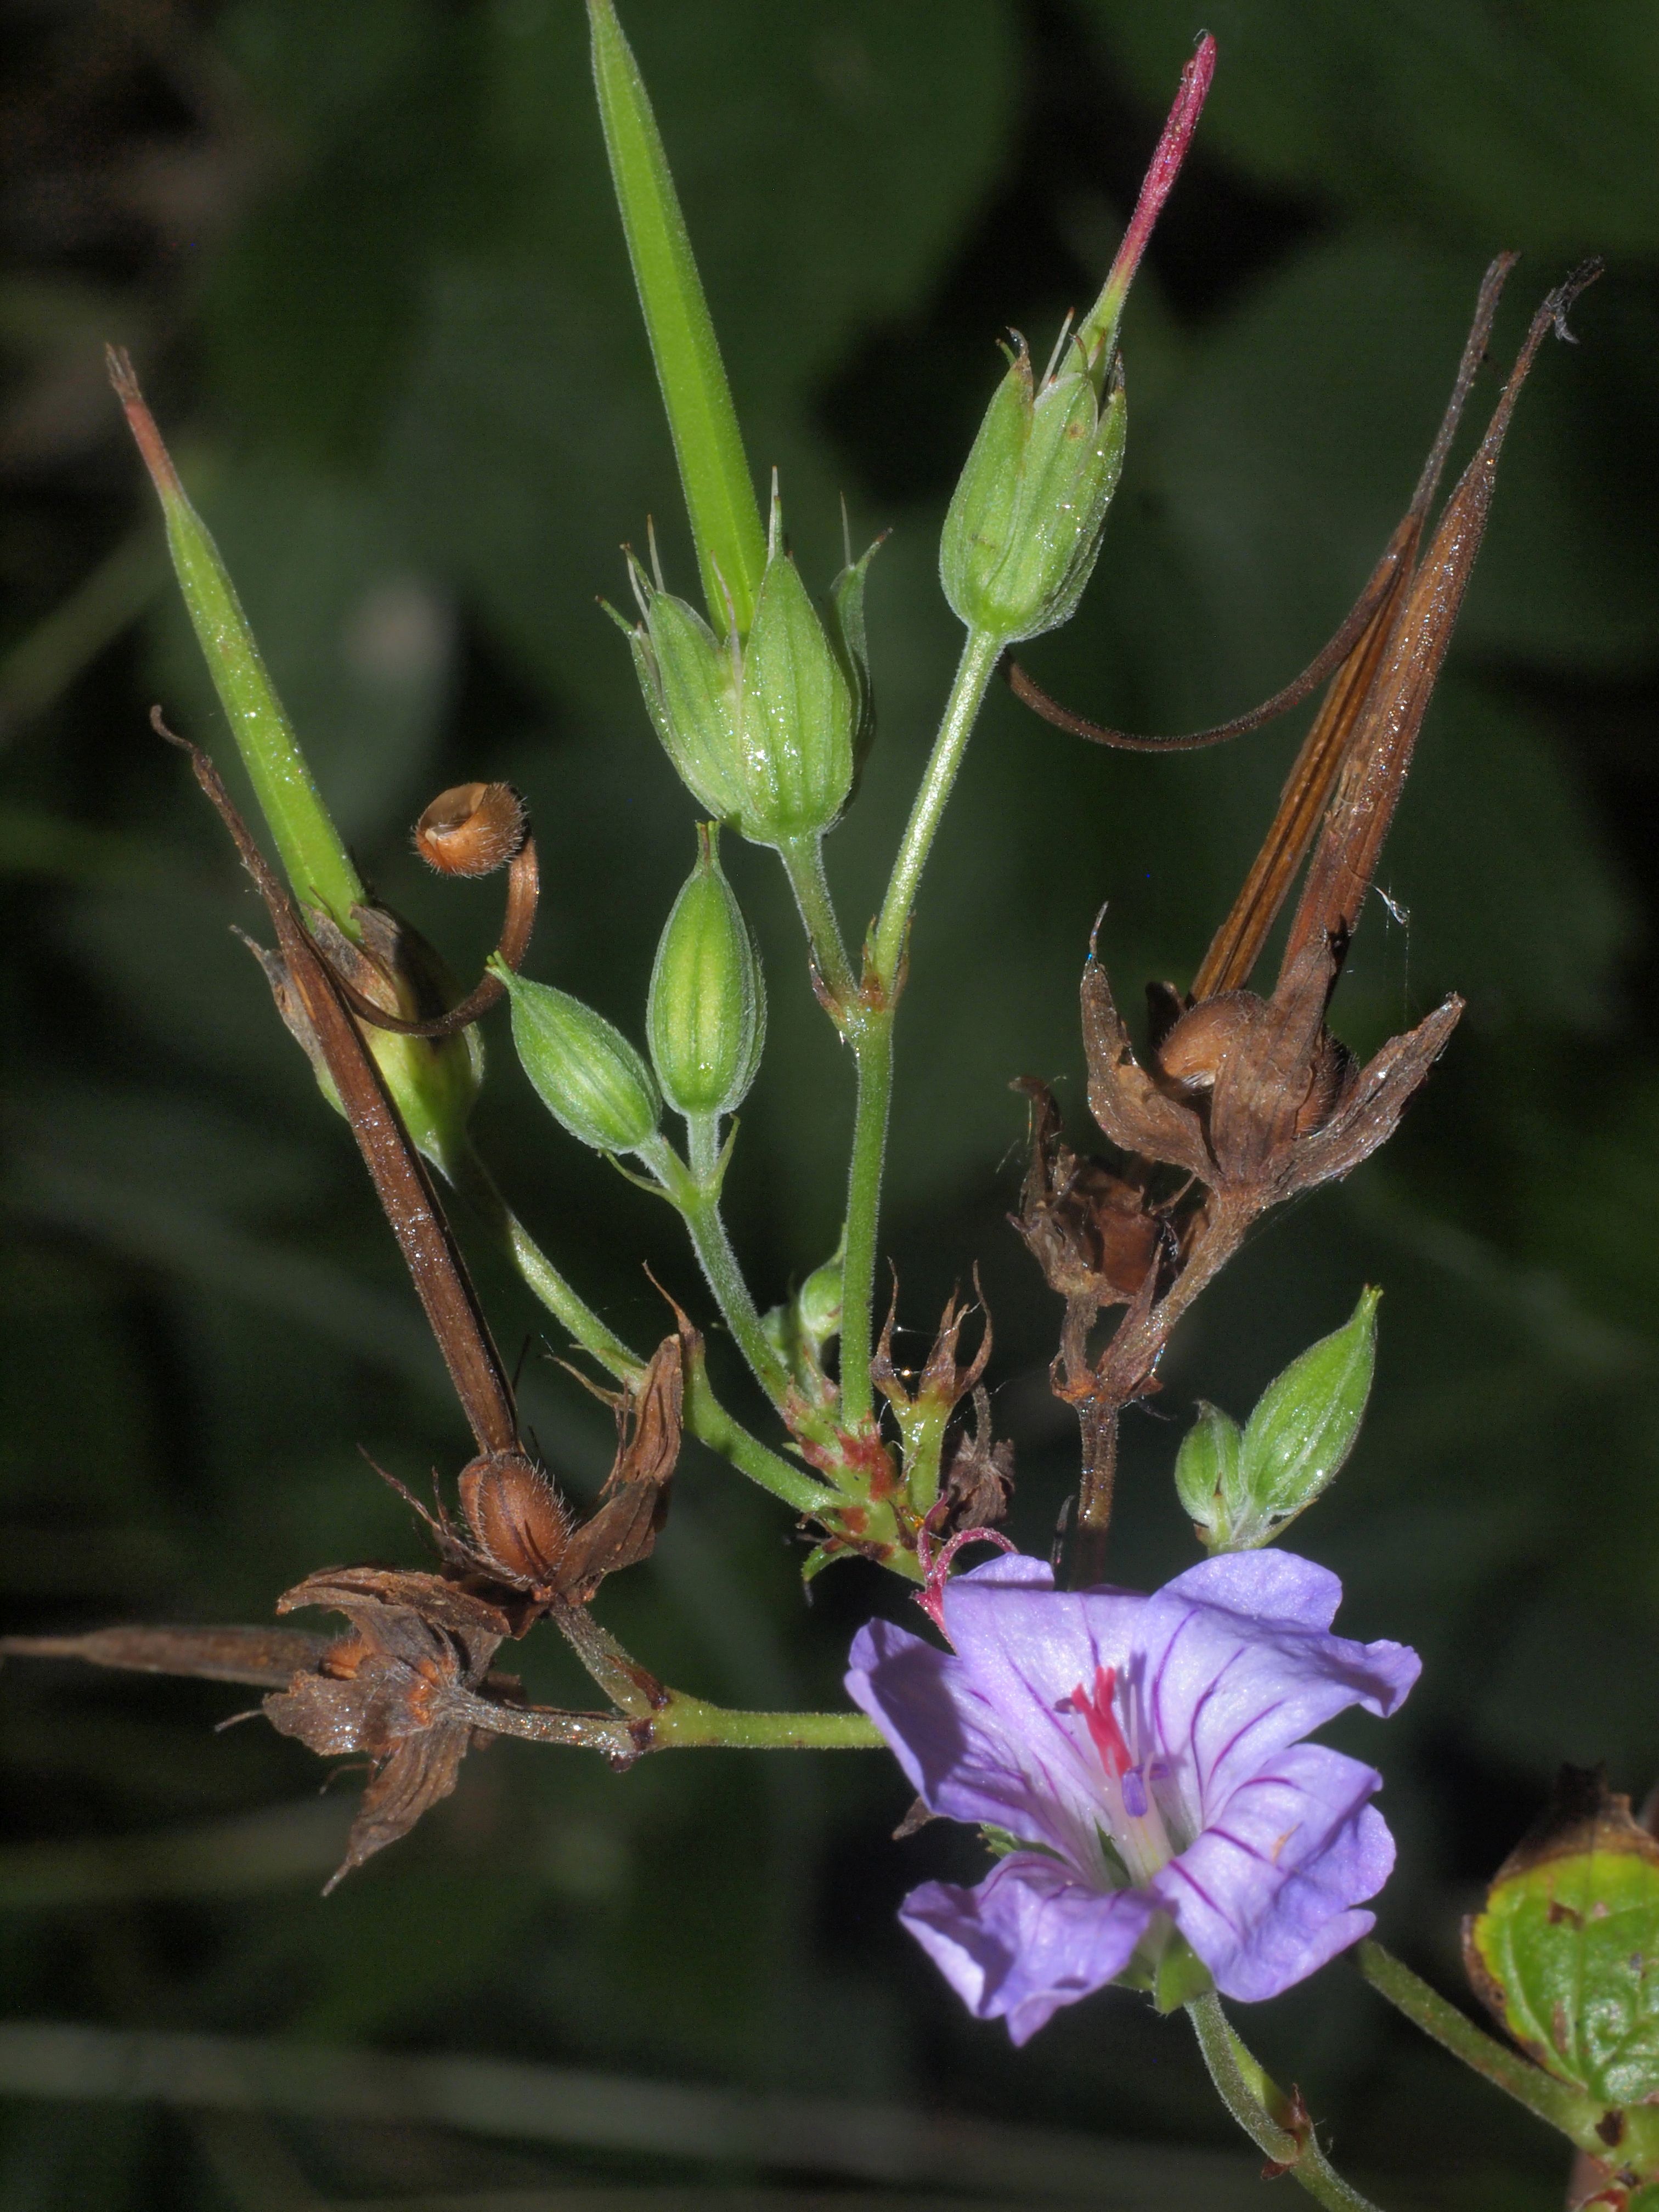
[1024,524]
[706,1015]
[589,1077]
[765,732]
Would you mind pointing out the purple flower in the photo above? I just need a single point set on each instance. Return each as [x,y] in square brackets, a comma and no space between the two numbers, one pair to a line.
[1145,1754]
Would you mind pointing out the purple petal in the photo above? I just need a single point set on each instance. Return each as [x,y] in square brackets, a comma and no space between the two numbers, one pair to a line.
[954,1749]
[1266,1894]
[1029,1939]
[1236,1666]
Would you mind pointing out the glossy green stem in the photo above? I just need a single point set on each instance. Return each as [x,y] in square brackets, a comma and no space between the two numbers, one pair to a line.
[705,1416]
[699,1206]
[871,1031]
[1556,2102]
[1256,2102]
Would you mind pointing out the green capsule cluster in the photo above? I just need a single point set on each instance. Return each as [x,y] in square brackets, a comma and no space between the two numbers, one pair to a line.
[705,1017]
[767,730]
[1025,526]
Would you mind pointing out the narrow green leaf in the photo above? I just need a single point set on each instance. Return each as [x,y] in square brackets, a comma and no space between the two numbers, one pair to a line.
[720,493]
[312,853]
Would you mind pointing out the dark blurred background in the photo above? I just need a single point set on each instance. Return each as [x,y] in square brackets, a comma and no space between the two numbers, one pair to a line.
[367,261]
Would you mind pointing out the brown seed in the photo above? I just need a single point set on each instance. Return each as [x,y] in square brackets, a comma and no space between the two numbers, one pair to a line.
[471,829]
[519,1522]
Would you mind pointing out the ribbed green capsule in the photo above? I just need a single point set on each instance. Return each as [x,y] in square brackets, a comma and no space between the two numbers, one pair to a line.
[1025,526]
[705,1017]
[766,731]
[588,1076]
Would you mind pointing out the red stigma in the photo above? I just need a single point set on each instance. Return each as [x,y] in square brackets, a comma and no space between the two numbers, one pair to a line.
[1101,1721]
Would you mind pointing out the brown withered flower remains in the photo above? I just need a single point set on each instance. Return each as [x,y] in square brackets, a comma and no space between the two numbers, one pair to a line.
[1242,1101]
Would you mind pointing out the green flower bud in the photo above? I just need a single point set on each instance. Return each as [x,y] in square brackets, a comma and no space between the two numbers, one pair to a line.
[1243,1487]
[818,1303]
[1206,1474]
[590,1079]
[705,1017]
[1025,521]
[765,732]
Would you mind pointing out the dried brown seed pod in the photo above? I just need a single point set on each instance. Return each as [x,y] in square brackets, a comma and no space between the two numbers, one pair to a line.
[519,1523]
[471,829]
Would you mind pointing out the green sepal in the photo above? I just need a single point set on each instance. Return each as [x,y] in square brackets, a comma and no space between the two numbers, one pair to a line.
[1244,1488]
[1305,1426]
[1206,1471]
[1565,1953]
[706,1010]
[586,1072]
[689,681]
[845,625]
[796,716]
[1023,529]
[1180,1976]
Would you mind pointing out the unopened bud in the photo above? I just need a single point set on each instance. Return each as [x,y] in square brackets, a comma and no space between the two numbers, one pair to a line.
[1023,529]
[1243,1487]
[471,829]
[588,1076]
[706,1015]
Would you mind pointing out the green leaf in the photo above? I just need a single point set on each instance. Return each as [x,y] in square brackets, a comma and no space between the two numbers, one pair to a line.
[1566,1952]
[720,494]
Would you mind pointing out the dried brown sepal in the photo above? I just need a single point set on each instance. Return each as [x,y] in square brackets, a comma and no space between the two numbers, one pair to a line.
[633,1501]
[979,1472]
[942,1383]
[264,1658]
[470,830]
[394,1691]
[1091,1230]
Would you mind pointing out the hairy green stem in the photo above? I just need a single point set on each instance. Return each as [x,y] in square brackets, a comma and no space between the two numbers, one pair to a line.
[875,1094]
[699,1205]
[803,863]
[705,1416]
[1556,2102]
[980,653]
[872,1033]
[1258,2104]
[681,1723]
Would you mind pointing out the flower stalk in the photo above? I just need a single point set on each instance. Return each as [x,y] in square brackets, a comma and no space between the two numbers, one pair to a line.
[1261,2109]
